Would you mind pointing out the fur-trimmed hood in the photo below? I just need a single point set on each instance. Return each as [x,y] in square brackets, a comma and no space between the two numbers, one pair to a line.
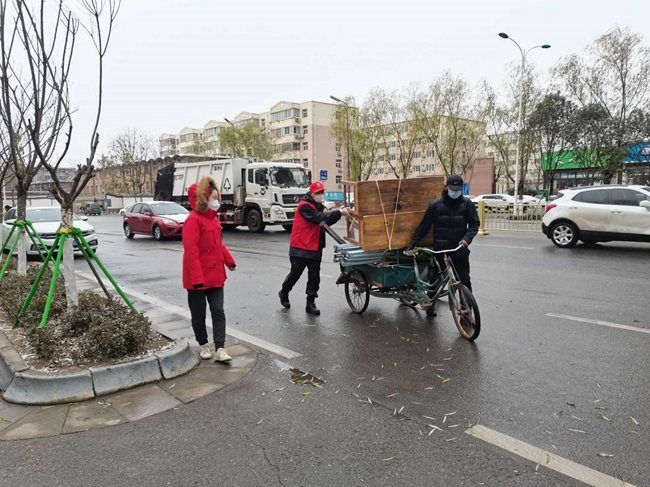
[199,194]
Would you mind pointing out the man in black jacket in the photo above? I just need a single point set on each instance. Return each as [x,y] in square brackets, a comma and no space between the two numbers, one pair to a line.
[307,243]
[455,221]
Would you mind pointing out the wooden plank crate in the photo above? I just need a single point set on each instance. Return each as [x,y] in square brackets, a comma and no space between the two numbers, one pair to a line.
[386,213]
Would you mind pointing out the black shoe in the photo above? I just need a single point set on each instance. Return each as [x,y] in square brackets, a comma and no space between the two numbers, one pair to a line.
[311,308]
[284,300]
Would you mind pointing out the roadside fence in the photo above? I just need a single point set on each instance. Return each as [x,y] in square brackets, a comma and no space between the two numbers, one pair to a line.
[523,218]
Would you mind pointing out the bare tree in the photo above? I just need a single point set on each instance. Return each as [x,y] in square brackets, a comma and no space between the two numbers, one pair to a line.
[446,115]
[360,132]
[36,65]
[610,82]
[553,123]
[129,152]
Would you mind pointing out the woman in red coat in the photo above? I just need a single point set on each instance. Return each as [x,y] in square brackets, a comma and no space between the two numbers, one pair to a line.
[205,259]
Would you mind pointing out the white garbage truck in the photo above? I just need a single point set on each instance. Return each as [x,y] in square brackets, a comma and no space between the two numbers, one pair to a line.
[253,193]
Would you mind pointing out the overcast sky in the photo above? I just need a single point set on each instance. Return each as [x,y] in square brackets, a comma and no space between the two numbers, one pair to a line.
[177,63]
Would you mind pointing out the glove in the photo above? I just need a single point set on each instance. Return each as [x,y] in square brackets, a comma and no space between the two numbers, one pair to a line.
[232,267]
[345,212]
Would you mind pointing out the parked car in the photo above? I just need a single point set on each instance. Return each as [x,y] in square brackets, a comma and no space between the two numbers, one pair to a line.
[161,219]
[500,199]
[126,209]
[46,221]
[529,200]
[598,214]
[92,209]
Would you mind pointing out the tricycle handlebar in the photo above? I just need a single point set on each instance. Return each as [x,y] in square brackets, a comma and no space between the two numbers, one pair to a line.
[415,251]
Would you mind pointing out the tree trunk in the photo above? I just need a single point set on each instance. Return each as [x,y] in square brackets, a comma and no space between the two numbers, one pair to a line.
[22,243]
[72,296]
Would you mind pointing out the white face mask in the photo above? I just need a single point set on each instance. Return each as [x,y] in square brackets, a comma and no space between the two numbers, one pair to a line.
[454,194]
[319,198]
[214,204]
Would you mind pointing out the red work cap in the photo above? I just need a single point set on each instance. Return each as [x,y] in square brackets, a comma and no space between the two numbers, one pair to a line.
[317,187]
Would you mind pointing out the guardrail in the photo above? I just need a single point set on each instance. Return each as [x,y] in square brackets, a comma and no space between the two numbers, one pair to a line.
[524,218]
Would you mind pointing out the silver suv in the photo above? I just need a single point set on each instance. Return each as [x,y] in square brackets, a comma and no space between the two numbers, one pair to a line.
[598,214]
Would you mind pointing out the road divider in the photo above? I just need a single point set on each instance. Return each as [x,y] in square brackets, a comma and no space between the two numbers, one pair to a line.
[546,459]
[599,323]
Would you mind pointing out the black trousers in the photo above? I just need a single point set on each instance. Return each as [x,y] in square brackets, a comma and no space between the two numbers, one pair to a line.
[196,298]
[461,264]
[298,265]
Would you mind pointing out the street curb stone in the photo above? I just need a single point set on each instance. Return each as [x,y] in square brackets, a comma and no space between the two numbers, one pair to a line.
[31,387]
[10,363]
[113,378]
[178,360]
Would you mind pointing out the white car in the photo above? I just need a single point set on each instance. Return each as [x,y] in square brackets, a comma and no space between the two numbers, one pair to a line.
[126,209]
[598,214]
[499,199]
[46,221]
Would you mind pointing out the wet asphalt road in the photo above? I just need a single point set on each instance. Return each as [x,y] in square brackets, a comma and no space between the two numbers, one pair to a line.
[566,387]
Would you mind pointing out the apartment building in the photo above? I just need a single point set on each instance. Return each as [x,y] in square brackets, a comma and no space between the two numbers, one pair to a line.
[299,132]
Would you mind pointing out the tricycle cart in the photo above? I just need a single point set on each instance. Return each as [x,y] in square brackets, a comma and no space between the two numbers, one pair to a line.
[416,278]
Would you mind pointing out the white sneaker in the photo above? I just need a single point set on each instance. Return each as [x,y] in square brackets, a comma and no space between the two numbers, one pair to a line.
[222,356]
[205,352]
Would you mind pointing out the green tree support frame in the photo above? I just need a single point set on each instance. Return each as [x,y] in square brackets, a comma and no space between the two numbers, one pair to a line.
[18,228]
[89,255]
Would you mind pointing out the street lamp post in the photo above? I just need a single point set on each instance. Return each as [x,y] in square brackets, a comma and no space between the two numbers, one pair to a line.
[522,68]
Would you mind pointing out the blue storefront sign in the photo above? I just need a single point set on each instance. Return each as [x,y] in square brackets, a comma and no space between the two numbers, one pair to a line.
[334,196]
[323,174]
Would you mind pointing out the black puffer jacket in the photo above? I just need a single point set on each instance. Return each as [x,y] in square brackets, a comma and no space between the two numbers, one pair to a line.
[452,221]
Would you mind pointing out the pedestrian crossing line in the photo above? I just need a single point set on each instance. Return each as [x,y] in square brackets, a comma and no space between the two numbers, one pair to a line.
[545,459]
[231,331]
[599,323]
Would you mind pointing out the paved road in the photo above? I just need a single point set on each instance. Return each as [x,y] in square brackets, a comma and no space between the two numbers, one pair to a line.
[571,388]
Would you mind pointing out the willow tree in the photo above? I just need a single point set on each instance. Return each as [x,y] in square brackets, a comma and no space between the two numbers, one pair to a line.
[247,141]
[39,42]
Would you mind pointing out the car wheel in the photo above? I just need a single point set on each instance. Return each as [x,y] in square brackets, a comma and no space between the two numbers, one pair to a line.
[127,231]
[255,222]
[564,234]
[157,233]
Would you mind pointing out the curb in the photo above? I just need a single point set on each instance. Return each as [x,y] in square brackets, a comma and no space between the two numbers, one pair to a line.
[22,385]
[31,387]
[113,378]
[177,361]
[10,364]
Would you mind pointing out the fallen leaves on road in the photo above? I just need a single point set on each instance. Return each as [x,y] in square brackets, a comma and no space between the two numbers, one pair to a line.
[260,421]
[634,421]
[605,455]
[577,431]
[389,459]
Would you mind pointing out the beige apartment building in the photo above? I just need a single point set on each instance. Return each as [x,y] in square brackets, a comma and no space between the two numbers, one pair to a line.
[299,132]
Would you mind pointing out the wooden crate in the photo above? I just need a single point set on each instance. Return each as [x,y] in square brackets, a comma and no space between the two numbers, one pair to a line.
[374,229]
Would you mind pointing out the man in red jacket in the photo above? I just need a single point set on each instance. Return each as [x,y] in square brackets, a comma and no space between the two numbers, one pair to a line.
[307,243]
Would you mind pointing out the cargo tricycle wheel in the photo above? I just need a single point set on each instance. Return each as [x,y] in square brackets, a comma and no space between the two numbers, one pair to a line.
[465,311]
[357,292]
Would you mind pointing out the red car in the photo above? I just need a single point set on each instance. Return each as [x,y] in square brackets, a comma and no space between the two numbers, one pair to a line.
[161,219]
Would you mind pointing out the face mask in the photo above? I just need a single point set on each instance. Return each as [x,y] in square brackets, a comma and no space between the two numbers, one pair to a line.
[319,198]
[454,194]
[214,204]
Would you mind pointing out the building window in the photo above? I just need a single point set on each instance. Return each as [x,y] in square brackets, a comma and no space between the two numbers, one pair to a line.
[305,129]
[296,146]
[338,163]
[338,179]
[304,113]
[211,132]
[338,148]
[305,146]
[392,157]
[305,162]
[284,114]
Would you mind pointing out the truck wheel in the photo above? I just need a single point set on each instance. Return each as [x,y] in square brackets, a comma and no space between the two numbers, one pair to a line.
[287,228]
[255,222]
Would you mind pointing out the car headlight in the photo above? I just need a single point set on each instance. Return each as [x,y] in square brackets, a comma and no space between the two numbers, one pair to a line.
[168,221]
[278,211]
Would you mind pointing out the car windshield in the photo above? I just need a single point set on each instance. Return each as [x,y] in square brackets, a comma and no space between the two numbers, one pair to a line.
[646,189]
[38,215]
[287,177]
[168,209]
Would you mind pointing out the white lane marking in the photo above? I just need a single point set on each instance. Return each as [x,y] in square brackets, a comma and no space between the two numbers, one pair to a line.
[600,323]
[504,246]
[544,458]
[233,332]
